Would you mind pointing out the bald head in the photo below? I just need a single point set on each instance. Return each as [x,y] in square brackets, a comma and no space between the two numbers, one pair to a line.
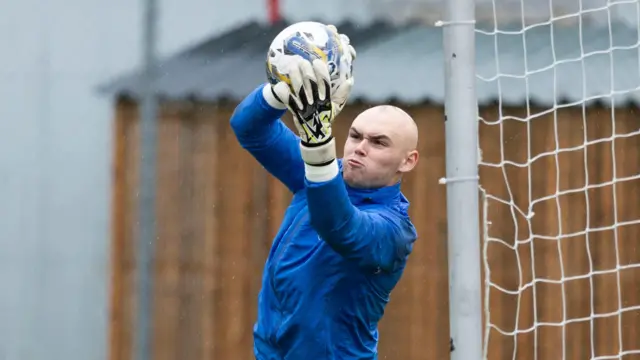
[392,122]
[381,147]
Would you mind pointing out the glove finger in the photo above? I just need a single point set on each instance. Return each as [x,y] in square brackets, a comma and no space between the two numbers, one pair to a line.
[295,75]
[346,42]
[344,90]
[352,50]
[281,91]
[324,80]
[341,95]
[308,77]
[345,39]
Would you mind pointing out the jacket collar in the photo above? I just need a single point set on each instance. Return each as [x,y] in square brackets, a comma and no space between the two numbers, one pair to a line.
[383,195]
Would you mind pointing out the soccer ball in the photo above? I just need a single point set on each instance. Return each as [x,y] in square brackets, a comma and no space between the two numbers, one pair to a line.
[311,40]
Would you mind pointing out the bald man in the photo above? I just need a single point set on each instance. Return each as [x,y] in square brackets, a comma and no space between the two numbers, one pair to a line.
[346,236]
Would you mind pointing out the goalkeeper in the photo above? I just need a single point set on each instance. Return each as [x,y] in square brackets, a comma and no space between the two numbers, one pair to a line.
[345,238]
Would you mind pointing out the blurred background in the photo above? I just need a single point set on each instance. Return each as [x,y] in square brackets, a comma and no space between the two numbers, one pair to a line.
[558,92]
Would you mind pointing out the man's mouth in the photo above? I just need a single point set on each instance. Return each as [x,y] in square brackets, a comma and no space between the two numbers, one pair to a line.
[354,163]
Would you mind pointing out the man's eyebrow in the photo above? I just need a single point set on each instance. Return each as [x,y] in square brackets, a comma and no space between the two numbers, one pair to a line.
[380,137]
[374,137]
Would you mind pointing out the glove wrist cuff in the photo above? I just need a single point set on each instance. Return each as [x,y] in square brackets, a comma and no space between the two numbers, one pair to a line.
[319,155]
[321,173]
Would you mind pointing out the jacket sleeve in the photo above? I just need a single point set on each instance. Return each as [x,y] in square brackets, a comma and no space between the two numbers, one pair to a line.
[375,239]
[259,130]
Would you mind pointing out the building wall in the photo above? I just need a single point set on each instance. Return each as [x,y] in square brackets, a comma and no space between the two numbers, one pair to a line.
[218,212]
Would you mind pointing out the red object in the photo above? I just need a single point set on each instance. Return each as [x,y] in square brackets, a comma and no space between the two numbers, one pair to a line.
[273,9]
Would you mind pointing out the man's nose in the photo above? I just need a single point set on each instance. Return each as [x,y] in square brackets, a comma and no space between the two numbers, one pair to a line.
[361,148]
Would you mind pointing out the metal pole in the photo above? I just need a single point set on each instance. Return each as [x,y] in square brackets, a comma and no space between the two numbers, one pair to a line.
[147,191]
[461,127]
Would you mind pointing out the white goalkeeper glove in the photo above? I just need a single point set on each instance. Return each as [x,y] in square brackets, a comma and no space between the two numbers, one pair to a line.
[310,100]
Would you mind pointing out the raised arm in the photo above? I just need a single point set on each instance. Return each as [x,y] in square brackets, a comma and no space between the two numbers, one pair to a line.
[301,78]
[374,239]
[379,239]
[258,128]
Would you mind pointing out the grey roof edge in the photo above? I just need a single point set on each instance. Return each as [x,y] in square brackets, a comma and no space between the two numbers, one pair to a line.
[378,29]
[366,37]
[114,86]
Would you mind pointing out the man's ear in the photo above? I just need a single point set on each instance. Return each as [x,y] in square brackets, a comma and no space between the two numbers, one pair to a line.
[409,161]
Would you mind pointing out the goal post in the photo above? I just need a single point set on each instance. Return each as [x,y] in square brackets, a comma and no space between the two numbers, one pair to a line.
[461,128]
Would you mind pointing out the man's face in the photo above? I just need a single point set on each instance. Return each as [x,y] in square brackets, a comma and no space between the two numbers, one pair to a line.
[379,148]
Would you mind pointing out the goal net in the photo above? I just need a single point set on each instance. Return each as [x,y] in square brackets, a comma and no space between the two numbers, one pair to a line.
[560,178]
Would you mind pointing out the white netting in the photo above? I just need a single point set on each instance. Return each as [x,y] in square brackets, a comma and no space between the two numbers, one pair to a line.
[560,175]
[529,11]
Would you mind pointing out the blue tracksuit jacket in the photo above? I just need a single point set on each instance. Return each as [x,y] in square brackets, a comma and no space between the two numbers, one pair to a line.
[336,258]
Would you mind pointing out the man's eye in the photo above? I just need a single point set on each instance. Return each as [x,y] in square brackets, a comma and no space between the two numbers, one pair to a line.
[354,136]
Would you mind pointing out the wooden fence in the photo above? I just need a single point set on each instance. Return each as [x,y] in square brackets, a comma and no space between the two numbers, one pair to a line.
[217,212]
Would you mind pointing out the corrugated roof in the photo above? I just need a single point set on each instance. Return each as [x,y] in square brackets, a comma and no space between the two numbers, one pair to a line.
[406,64]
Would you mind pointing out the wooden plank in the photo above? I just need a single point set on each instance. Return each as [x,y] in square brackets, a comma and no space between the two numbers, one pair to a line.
[167,289]
[130,216]
[191,241]
[118,229]
[206,184]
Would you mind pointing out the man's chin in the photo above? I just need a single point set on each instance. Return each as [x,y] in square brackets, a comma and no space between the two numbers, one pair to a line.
[355,182]
[349,178]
